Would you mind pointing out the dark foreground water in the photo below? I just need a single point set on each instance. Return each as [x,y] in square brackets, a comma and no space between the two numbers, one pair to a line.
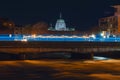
[60,70]
[97,68]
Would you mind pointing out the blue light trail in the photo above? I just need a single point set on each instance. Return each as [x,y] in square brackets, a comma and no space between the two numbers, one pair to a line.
[60,38]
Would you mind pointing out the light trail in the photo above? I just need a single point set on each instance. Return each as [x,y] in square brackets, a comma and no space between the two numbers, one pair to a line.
[59,38]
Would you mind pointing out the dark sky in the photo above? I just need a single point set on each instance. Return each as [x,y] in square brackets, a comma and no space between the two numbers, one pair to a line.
[80,13]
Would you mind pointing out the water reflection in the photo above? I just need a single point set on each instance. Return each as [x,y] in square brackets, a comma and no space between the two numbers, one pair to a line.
[100,58]
[59,70]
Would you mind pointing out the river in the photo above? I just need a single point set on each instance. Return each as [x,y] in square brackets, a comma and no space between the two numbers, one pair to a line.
[100,68]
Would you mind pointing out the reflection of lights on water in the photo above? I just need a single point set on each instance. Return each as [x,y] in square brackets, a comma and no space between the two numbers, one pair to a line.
[100,58]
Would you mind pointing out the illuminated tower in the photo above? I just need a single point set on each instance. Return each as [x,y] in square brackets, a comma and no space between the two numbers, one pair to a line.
[60,24]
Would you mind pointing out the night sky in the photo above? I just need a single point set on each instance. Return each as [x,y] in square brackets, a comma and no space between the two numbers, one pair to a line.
[83,14]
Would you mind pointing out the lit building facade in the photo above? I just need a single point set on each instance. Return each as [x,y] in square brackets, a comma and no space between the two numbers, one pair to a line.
[60,25]
[111,24]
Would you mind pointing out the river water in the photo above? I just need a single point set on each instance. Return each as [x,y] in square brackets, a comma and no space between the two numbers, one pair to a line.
[99,68]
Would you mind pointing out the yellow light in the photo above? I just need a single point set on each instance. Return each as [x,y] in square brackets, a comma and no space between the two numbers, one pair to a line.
[24,40]
[34,35]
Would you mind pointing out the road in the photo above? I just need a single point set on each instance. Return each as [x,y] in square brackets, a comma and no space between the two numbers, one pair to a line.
[60,70]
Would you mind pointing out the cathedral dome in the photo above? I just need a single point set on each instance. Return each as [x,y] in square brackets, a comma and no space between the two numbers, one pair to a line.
[61,20]
[60,24]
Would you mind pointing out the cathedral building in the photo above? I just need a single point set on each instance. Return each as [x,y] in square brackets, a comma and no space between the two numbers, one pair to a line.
[60,25]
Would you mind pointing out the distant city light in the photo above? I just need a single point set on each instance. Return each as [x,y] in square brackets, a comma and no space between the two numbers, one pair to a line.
[34,35]
[10,35]
[24,40]
[92,36]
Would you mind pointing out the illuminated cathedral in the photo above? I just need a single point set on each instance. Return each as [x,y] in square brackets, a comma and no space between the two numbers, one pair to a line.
[60,25]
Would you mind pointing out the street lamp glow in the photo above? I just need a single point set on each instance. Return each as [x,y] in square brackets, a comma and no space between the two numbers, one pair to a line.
[33,35]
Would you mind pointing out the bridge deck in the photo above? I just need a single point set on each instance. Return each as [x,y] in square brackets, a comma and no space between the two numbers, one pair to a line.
[37,44]
[31,46]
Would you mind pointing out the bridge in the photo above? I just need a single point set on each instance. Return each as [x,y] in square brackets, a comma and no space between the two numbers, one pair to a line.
[73,44]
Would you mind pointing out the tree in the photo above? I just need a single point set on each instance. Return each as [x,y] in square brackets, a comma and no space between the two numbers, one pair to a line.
[27,29]
[40,28]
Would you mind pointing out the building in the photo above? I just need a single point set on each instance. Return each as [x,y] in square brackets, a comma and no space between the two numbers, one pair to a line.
[6,26]
[111,24]
[18,30]
[60,25]
[42,28]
